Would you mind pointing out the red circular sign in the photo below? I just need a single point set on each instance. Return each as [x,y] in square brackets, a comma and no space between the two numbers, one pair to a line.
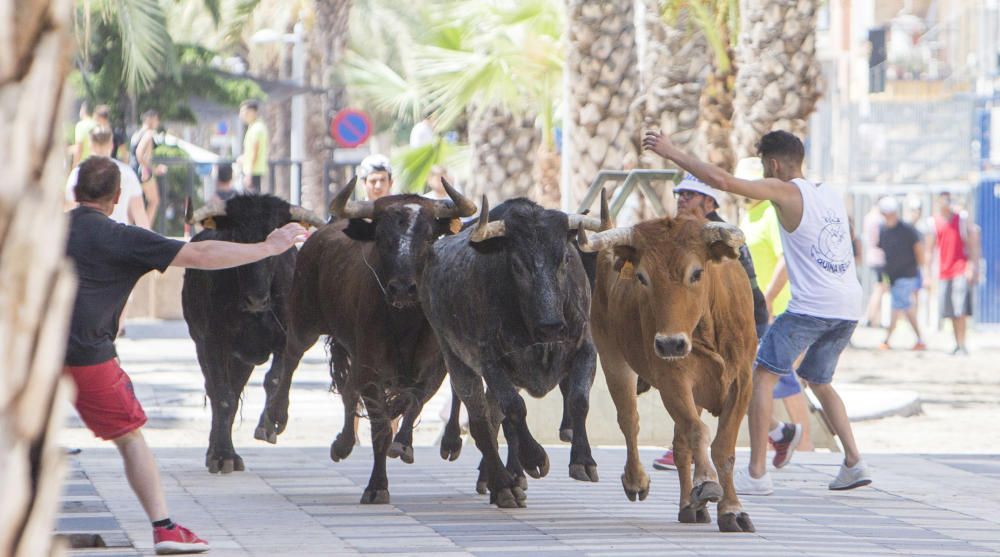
[350,128]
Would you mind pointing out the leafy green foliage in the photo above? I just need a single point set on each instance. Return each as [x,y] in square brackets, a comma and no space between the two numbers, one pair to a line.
[717,20]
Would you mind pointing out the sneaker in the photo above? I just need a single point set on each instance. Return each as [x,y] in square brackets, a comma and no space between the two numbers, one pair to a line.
[919,346]
[749,485]
[177,540]
[959,351]
[850,478]
[665,462]
[791,434]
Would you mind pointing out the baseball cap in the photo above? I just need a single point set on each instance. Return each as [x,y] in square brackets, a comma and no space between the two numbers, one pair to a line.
[690,183]
[374,163]
[749,168]
[888,205]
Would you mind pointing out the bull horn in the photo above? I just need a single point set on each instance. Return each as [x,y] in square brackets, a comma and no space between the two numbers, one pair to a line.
[210,210]
[188,210]
[731,235]
[343,207]
[484,229]
[606,222]
[604,240]
[305,216]
[582,221]
[459,206]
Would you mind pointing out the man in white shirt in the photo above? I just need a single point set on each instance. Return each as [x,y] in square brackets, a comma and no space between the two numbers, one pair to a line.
[130,208]
[826,295]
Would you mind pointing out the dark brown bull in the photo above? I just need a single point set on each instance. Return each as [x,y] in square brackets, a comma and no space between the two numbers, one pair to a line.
[356,281]
[673,305]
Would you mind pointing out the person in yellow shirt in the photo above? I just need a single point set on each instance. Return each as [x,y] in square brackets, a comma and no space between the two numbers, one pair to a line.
[81,134]
[254,158]
[760,227]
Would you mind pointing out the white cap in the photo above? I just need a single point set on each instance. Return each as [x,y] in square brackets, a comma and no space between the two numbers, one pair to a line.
[374,163]
[888,205]
[750,168]
[690,183]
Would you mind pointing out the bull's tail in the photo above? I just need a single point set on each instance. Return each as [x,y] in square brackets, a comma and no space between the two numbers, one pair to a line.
[339,365]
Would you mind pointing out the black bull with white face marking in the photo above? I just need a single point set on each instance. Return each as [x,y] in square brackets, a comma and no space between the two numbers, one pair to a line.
[356,280]
[510,303]
[237,317]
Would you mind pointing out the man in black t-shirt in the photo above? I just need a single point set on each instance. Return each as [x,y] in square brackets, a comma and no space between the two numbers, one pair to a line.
[110,258]
[903,258]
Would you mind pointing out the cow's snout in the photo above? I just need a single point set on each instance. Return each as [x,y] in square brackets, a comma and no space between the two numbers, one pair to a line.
[672,346]
[402,293]
[256,304]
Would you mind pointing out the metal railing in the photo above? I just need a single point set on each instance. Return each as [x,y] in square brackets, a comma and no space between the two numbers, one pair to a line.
[631,179]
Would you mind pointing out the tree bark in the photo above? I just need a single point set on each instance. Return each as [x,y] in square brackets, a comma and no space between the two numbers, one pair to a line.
[503,154]
[326,44]
[603,82]
[779,81]
[37,284]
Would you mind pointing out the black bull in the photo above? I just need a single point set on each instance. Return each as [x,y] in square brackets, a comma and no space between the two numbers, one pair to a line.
[236,316]
[509,301]
[356,281]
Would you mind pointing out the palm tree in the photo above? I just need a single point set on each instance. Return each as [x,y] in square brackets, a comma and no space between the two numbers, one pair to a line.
[603,84]
[779,81]
[37,284]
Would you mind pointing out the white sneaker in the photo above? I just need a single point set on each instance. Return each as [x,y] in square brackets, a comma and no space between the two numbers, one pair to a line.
[749,485]
[850,478]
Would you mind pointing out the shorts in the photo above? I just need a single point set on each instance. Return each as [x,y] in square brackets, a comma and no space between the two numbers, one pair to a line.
[954,297]
[823,339]
[106,400]
[788,385]
[902,291]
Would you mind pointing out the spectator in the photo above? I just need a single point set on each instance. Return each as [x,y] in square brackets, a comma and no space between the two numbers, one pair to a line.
[435,186]
[224,182]
[254,157]
[957,243]
[874,259]
[376,173]
[141,148]
[422,132]
[904,256]
[130,208]
[81,134]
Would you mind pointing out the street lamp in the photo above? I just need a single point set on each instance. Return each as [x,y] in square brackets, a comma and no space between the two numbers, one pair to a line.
[298,131]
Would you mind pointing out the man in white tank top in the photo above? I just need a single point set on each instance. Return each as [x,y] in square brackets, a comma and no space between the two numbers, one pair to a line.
[826,296]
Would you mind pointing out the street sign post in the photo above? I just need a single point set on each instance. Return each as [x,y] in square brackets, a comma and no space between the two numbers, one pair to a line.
[350,128]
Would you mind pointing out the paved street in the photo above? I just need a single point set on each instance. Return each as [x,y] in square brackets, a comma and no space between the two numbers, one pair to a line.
[292,500]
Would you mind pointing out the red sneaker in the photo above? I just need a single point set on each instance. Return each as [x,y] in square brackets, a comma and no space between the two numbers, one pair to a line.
[665,462]
[791,434]
[177,540]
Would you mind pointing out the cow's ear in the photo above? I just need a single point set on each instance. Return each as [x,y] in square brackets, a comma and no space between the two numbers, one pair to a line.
[360,230]
[626,260]
[717,251]
[449,227]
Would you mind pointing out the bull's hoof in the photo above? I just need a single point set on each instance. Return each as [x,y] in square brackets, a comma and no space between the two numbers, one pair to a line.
[341,448]
[632,492]
[375,497]
[706,492]
[566,435]
[583,473]
[238,465]
[401,451]
[521,482]
[692,515]
[736,522]
[537,465]
[451,447]
[227,466]
[519,496]
[224,465]
[506,499]
[265,434]
[214,465]
[481,487]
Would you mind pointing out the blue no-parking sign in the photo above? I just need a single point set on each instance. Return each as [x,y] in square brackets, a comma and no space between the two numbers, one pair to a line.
[350,128]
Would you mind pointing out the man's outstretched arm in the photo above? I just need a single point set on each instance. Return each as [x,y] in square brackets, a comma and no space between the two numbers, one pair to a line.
[211,255]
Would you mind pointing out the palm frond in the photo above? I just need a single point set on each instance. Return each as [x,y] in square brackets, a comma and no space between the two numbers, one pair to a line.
[383,88]
[213,9]
[704,17]
[146,45]
[415,164]
[237,21]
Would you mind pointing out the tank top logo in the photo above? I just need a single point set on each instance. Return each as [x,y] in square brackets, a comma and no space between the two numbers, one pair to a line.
[832,249]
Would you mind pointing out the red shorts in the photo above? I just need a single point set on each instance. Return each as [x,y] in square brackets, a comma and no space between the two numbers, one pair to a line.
[105,399]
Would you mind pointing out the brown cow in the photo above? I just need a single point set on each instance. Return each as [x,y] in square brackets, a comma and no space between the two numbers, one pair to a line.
[673,305]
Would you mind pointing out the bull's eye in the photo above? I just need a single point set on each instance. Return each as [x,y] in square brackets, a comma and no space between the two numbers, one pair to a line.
[642,278]
[696,276]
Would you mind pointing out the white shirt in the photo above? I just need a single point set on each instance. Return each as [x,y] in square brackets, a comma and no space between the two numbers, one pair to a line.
[421,134]
[130,188]
[820,257]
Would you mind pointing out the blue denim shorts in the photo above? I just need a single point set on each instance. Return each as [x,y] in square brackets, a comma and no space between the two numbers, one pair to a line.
[789,384]
[902,291]
[822,339]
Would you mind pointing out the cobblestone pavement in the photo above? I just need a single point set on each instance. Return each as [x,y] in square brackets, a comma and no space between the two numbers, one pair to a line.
[293,500]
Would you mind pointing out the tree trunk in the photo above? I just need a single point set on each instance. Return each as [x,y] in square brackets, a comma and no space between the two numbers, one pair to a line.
[37,284]
[326,44]
[603,81]
[546,174]
[779,80]
[503,154]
